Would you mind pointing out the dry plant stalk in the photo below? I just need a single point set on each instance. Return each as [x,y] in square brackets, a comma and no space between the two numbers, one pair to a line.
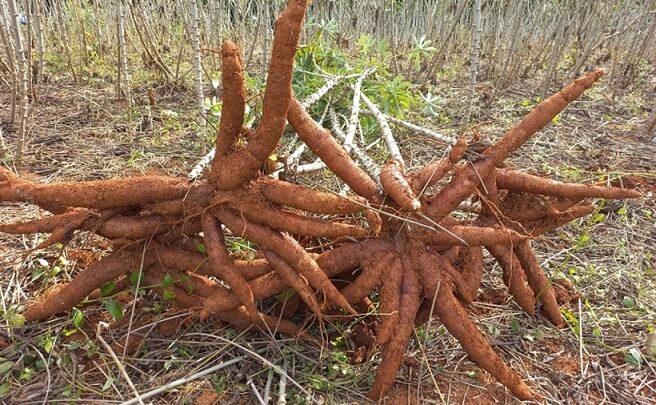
[415,253]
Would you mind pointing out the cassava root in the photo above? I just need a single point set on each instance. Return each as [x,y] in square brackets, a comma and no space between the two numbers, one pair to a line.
[403,239]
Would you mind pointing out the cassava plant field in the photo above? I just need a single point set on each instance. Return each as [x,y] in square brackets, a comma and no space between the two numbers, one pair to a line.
[335,202]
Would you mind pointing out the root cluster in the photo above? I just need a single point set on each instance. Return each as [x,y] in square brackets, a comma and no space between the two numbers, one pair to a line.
[402,240]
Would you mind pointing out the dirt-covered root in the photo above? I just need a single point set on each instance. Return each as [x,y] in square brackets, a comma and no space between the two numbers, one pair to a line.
[137,227]
[432,268]
[244,163]
[191,292]
[350,256]
[267,324]
[182,299]
[524,182]
[295,281]
[223,265]
[469,262]
[423,263]
[324,145]
[462,186]
[451,254]
[514,277]
[521,207]
[457,322]
[539,283]
[289,250]
[50,223]
[389,301]
[488,195]
[392,178]
[433,173]
[546,224]
[195,262]
[270,283]
[234,104]
[406,263]
[288,306]
[84,283]
[297,224]
[470,235]
[394,349]
[368,279]
[303,198]
[540,116]
[99,194]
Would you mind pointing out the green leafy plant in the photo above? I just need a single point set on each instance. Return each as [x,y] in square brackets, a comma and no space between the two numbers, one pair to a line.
[77,317]
[393,96]
[633,357]
[421,49]
[12,315]
[114,308]
[432,103]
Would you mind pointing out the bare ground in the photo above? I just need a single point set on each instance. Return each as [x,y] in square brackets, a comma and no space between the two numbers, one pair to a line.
[604,266]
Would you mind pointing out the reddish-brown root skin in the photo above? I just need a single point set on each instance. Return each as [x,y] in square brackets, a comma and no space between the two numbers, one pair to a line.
[188,226]
[423,263]
[458,189]
[389,301]
[432,268]
[521,207]
[297,224]
[290,251]
[223,266]
[430,175]
[451,254]
[121,284]
[194,262]
[370,276]
[180,297]
[100,194]
[465,289]
[295,281]
[245,163]
[545,224]
[433,173]
[514,277]
[237,316]
[234,103]
[488,194]
[344,258]
[350,256]
[540,116]
[394,349]
[393,180]
[139,227]
[322,143]
[539,283]
[289,306]
[469,261]
[48,224]
[458,150]
[84,283]
[457,322]
[295,196]
[517,181]
[471,236]
[165,211]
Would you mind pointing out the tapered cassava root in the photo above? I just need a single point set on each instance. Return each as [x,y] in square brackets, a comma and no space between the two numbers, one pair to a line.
[401,241]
